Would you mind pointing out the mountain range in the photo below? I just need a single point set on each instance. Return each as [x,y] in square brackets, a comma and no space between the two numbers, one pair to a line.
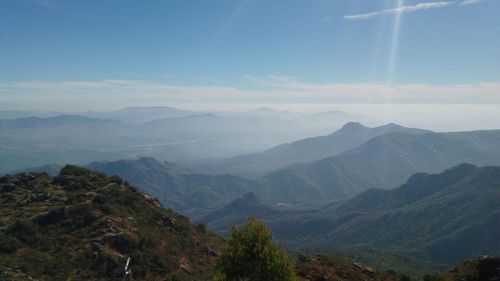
[441,218]
[385,161]
[169,134]
[179,188]
[306,150]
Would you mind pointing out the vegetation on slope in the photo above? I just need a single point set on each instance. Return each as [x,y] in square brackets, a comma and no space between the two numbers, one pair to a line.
[82,225]
[179,188]
[437,218]
[251,254]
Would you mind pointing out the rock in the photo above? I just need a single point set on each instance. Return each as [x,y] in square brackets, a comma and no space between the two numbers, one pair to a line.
[363,267]
[40,197]
[7,187]
[152,200]
[166,221]
[212,251]
[185,265]
[489,268]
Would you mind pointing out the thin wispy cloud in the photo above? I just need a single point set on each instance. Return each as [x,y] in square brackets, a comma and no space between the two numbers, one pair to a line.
[403,9]
[275,89]
[470,2]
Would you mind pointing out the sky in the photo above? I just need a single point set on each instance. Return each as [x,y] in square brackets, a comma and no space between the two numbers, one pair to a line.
[226,54]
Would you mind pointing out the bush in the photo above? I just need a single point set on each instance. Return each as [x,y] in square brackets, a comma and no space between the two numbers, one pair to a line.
[251,255]
[22,230]
[8,245]
[71,170]
[116,179]
[201,227]
[99,199]
[52,217]
[107,208]
[7,187]
[125,243]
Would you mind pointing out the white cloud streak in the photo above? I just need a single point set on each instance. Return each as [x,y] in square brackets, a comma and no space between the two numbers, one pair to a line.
[108,94]
[403,9]
[470,2]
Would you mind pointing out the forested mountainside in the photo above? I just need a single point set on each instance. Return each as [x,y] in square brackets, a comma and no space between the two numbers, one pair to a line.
[177,187]
[83,225]
[443,218]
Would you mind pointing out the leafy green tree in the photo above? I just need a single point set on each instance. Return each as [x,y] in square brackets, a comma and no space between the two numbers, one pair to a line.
[251,255]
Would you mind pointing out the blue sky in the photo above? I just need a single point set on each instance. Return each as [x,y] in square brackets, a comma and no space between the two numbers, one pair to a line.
[263,51]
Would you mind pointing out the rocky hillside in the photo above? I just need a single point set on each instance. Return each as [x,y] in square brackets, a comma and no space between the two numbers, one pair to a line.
[324,267]
[82,225]
[484,268]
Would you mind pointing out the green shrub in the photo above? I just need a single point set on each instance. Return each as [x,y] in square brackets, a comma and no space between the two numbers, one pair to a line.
[201,227]
[52,217]
[99,199]
[22,230]
[107,208]
[8,245]
[124,242]
[251,255]
[116,179]
[71,170]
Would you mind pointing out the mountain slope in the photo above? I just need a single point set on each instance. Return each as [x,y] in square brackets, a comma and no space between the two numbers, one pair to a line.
[382,162]
[176,187]
[442,218]
[82,225]
[236,212]
[348,137]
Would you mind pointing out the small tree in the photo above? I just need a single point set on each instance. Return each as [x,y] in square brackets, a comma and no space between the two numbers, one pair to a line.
[251,255]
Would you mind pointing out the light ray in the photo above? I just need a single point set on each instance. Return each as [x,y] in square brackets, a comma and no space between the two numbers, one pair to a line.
[395,42]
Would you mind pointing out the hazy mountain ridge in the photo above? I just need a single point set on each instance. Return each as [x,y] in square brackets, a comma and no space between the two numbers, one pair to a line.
[55,121]
[385,161]
[306,150]
[140,114]
[180,136]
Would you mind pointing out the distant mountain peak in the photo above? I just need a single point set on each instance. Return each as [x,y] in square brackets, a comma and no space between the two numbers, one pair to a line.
[264,109]
[148,107]
[148,160]
[267,110]
[353,126]
[463,168]
[392,125]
